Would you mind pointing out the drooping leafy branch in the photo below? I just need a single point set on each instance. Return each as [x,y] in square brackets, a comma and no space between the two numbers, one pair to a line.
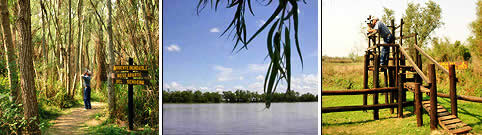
[278,40]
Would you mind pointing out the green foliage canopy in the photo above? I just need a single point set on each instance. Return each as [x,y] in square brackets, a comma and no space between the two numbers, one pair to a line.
[421,20]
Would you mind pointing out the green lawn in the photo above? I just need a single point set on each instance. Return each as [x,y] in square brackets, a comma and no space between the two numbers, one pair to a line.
[359,122]
[340,76]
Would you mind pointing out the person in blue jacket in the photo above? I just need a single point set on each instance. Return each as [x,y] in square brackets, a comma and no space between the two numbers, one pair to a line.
[87,77]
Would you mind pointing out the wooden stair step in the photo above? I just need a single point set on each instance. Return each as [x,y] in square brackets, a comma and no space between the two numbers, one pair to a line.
[461,130]
[447,121]
[455,125]
[452,121]
[443,114]
[447,117]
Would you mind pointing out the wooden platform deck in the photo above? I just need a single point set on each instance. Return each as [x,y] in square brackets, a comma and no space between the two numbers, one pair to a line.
[449,122]
[411,87]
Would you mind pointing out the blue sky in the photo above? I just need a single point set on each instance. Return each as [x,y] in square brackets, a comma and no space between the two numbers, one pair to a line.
[196,57]
[341,20]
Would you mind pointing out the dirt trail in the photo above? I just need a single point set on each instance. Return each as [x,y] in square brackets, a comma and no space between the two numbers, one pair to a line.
[76,121]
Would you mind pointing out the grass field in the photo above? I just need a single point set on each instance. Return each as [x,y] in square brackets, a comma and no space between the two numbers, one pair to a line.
[338,76]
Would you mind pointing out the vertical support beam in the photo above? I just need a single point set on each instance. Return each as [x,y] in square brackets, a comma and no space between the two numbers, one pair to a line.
[404,76]
[419,65]
[453,90]
[391,84]
[376,67]
[433,97]
[386,84]
[399,101]
[401,30]
[397,65]
[365,76]
[418,105]
[130,101]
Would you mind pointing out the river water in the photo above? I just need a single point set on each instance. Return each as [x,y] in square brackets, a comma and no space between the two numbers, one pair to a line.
[242,119]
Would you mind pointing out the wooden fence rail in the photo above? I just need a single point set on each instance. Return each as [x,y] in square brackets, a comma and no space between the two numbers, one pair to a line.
[362,107]
[357,92]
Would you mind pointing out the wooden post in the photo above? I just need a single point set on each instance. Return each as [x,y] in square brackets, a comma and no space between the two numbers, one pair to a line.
[418,105]
[391,84]
[390,71]
[365,76]
[433,97]
[419,64]
[453,90]
[399,101]
[401,30]
[130,101]
[386,84]
[402,62]
[376,66]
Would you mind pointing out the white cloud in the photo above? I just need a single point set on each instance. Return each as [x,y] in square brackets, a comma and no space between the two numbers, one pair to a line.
[203,88]
[225,74]
[302,84]
[173,48]
[306,83]
[259,78]
[257,86]
[241,78]
[239,87]
[258,67]
[215,30]
[219,88]
[299,11]
[173,86]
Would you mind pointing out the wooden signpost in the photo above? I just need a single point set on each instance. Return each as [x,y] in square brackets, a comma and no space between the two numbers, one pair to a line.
[130,71]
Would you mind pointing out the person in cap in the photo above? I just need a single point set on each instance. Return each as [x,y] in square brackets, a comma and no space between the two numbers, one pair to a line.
[375,25]
[87,77]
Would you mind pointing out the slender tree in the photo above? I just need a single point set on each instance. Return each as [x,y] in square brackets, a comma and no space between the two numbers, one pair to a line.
[30,107]
[10,50]
[101,74]
[79,41]
[111,91]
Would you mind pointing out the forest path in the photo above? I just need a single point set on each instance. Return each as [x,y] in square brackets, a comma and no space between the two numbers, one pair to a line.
[77,120]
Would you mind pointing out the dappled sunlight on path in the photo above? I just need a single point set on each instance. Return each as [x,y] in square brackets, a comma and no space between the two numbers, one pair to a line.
[76,120]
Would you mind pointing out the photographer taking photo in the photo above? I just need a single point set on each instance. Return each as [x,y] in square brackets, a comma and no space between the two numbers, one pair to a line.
[87,77]
[374,25]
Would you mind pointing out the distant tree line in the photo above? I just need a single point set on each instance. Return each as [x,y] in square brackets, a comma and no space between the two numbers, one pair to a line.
[239,96]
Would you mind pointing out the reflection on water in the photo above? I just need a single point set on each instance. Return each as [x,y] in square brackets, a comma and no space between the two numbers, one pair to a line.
[252,118]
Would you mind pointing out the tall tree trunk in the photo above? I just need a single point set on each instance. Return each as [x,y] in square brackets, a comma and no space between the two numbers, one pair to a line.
[79,41]
[30,107]
[101,74]
[148,31]
[44,45]
[69,52]
[111,91]
[99,57]
[10,50]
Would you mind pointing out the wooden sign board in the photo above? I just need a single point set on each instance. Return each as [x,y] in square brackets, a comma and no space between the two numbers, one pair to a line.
[458,65]
[131,81]
[130,68]
[126,74]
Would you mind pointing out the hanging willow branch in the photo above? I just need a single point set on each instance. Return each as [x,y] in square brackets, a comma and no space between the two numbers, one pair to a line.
[278,41]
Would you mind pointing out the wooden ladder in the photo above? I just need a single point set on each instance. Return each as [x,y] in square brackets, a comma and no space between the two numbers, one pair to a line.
[449,122]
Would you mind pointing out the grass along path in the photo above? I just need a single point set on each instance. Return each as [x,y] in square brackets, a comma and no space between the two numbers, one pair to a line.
[76,120]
